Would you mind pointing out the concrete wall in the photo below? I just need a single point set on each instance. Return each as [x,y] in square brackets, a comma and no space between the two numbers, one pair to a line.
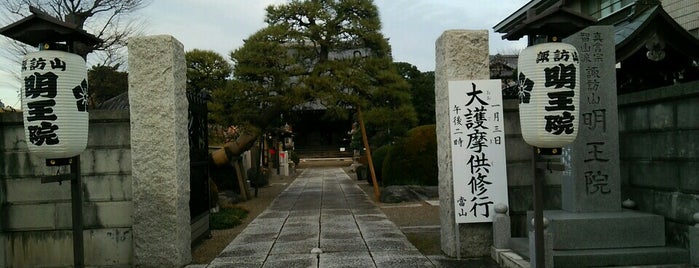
[659,151]
[35,218]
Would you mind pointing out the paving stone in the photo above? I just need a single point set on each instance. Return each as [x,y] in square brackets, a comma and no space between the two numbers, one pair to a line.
[292,261]
[399,259]
[346,259]
[321,209]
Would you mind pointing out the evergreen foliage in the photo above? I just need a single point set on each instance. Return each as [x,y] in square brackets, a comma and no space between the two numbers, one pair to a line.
[206,71]
[378,156]
[328,54]
[106,82]
[413,159]
[422,91]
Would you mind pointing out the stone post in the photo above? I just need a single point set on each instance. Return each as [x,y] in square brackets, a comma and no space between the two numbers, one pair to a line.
[159,152]
[460,55]
[694,241]
[501,227]
[548,245]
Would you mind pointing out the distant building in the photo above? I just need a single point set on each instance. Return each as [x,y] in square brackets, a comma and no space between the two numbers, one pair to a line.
[686,13]
[504,67]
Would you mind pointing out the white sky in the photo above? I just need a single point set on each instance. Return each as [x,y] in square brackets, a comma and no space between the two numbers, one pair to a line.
[412,27]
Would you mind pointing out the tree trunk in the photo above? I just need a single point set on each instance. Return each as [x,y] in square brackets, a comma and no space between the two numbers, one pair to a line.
[233,150]
[242,182]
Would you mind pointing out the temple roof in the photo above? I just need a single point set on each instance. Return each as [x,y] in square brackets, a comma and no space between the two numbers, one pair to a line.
[641,26]
[637,26]
[552,18]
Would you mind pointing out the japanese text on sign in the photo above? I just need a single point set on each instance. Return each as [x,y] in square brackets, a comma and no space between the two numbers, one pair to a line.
[594,116]
[478,149]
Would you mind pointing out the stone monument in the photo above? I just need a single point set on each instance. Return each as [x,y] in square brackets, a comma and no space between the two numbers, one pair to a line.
[460,55]
[592,229]
[159,152]
[591,179]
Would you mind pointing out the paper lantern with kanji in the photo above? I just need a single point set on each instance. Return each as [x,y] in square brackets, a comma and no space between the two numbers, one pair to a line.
[549,84]
[54,101]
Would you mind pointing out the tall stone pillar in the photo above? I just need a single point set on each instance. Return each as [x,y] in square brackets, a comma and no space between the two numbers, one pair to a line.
[460,55]
[591,181]
[159,152]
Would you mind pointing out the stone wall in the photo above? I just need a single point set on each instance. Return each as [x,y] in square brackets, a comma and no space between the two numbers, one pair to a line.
[135,174]
[659,151]
[35,218]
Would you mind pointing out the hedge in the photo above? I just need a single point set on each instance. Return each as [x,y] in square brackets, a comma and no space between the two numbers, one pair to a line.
[413,159]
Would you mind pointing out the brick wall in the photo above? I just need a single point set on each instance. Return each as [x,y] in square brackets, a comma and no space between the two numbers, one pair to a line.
[659,151]
[35,218]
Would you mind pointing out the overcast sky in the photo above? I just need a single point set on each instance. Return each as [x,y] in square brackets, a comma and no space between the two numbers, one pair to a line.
[412,27]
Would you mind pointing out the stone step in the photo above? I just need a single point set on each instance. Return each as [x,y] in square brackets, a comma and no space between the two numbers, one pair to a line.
[677,257]
[598,230]
[665,257]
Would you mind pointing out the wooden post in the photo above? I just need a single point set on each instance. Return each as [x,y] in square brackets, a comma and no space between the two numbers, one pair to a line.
[377,193]
[242,183]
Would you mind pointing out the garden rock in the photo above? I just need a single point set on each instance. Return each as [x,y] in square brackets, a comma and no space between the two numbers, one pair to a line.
[397,194]
[408,193]
[229,198]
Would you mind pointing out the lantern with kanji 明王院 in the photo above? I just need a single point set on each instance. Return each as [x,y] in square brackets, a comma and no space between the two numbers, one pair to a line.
[54,100]
[549,83]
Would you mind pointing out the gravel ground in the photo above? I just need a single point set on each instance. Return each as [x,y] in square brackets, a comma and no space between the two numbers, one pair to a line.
[426,238]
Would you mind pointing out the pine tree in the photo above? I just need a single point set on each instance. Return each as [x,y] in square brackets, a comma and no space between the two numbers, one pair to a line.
[327,52]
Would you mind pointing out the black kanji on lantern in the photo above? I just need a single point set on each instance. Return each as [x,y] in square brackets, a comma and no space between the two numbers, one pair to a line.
[560,76]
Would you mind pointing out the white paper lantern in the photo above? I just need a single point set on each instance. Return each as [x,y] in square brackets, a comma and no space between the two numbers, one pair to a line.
[549,84]
[54,101]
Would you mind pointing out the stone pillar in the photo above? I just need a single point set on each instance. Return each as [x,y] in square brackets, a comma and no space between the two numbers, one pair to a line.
[159,152]
[591,181]
[460,55]
[548,245]
[694,241]
[501,227]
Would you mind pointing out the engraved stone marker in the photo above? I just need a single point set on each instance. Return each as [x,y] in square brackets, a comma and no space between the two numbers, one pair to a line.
[591,180]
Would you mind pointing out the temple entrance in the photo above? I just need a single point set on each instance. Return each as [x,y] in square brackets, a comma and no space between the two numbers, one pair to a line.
[319,137]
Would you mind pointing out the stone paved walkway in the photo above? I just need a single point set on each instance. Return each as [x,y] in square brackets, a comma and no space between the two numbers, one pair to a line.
[322,209]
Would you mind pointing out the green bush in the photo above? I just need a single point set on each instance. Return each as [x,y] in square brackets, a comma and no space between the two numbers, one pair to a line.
[294,157]
[228,217]
[413,159]
[378,156]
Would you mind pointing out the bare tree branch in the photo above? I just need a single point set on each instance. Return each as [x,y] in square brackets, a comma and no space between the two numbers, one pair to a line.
[103,18]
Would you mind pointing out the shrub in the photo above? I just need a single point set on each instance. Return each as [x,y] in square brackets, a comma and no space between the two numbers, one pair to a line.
[228,217]
[378,156]
[294,157]
[413,159]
